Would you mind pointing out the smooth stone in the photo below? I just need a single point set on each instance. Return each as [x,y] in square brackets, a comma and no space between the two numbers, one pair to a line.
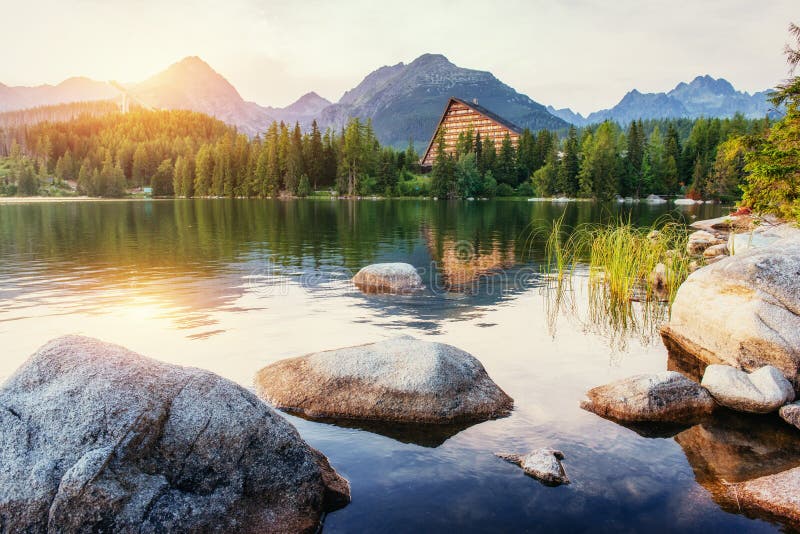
[394,278]
[744,310]
[541,464]
[716,250]
[762,391]
[401,379]
[94,437]
[666,397]
[700,240]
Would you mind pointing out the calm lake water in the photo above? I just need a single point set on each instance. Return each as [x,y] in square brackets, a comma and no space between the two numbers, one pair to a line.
[233,285]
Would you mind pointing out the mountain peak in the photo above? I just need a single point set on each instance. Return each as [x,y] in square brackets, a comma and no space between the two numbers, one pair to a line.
[431,59]
[308,104]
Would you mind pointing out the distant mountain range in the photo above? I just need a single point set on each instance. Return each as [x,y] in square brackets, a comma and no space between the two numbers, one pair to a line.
[702,97]
[403,101]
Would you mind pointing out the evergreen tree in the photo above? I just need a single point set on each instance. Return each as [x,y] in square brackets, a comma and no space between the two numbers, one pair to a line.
[443,175]
[506,166]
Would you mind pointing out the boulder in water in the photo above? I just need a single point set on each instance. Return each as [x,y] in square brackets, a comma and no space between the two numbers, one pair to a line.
[94,437]
[394,278]
[400,380]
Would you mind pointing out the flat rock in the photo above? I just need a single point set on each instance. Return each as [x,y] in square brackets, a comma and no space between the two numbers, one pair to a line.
[762,391]
[666,397]
[776,495]
[394,278]
[401,379]
[541,464]
[94,437]
[791,413]
[743,310]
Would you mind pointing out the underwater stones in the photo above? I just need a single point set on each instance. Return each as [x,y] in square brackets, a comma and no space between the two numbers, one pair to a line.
[401,380]
[94,437]
[541,464]
[762,391]
[667,397]
[392,278]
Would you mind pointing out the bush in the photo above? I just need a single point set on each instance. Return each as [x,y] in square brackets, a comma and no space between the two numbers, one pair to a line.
[525,189]
[504,190]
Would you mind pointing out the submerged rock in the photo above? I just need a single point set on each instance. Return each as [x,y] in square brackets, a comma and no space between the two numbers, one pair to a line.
[541,464]
[94,437]
[776,495]
[742,311]
[396,278]
[659,397]
[401,379]
[761,391]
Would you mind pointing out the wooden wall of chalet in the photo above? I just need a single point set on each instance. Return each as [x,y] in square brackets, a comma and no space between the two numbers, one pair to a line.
[461,118]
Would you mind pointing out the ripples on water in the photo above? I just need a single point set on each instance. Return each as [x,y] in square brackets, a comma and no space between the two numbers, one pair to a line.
[232,285]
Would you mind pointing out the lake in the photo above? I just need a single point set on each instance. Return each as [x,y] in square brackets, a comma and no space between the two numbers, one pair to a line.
[233,285]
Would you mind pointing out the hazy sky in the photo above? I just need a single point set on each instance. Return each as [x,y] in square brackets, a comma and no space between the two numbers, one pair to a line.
[584,54]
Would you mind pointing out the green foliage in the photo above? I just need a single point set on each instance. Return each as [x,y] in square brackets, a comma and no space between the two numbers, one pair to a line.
[304,187]
[773,159]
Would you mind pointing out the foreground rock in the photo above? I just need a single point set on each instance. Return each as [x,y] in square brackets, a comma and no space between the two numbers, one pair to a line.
[742,311]
[94,437]
[762,391]
[667,397]
[774,495]
[401,379]
[541,464]
[395,278]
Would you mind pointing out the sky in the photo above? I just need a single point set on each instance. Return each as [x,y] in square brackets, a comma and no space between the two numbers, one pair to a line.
[582,54]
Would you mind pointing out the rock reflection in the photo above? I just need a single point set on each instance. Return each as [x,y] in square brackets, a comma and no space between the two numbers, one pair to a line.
[424,435]
[735,447]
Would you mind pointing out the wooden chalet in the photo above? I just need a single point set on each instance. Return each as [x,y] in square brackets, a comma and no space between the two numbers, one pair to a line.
[461,116]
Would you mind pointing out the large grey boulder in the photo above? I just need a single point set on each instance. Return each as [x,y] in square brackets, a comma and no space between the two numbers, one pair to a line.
[94,437]
[667,397]
[541,464]
[742,311]
[401,380]
[396,278]
[762,391]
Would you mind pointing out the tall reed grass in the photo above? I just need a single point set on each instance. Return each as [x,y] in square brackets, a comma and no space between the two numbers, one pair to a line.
[631,275]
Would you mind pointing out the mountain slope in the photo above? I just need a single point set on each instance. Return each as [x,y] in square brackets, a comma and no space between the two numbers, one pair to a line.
[77,89]
[192,84]
[702,97]
[406,101]
[303,110]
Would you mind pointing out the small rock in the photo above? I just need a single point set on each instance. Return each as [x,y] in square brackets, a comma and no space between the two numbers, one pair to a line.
[658,277]
[791,413]
[395,278]
[653,235]
[761,391]
[541,464]
[659,397]
[715,251]
[700,240]
[399,380]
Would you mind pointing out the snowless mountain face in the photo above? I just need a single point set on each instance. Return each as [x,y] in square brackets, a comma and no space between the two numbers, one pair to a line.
[702,97]
[70,90]
[192,84]
[406,101]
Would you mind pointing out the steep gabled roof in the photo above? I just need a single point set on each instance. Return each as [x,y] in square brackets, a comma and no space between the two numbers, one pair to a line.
[477,108]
